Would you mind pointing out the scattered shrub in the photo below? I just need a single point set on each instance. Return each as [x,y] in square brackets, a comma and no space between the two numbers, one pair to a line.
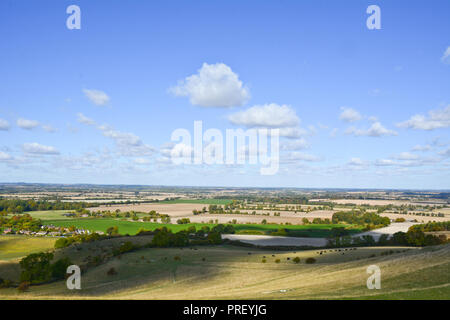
[111,272]
[23,286]
[310,260]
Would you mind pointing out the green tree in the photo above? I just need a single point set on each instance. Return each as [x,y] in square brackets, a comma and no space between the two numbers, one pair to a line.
[36,268]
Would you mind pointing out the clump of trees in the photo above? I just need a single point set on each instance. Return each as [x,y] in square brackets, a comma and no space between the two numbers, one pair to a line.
[164,237]
[65,242]
[37,268]
[183,221]
[417,235]
[19,206]
[432,226]
[417,238]
[21,222]
[370,220]
[125,247]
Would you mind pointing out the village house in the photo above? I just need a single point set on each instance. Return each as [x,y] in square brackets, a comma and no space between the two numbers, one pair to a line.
[8,231]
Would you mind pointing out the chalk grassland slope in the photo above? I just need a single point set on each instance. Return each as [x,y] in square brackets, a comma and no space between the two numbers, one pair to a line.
[132,227]
[223,272]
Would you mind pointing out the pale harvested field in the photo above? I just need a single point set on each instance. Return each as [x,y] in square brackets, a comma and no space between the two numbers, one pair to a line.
[381,202]
[226,218]
[389,230]
[291,217]
[233,273]
[261,240]
[185,210]
[172,209]
[409,217]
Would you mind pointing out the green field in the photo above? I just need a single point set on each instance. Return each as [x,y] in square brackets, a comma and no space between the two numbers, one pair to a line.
[227,272]
[12,246]
[50,214]
[132,227]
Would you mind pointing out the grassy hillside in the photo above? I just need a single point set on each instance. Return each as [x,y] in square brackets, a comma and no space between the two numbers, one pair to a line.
[225,272]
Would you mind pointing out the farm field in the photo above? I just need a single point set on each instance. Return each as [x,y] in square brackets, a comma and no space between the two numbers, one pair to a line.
[172,209]
[132,227]
[12,247]
[380,202]
[421,219]
[49,214]
[226,272]
[285,216]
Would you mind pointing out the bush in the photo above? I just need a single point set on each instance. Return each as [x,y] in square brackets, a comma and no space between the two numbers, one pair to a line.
[296,259]
[59,268]
[4,283]
[214,238]
[310,260]
[263,260]
[111,272]
[277,261]
[23,286]
[36,268]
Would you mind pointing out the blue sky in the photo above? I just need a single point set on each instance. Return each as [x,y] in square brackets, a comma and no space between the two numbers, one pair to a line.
[98,105]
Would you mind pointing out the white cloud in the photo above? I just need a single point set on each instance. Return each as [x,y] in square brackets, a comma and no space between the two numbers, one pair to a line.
[446,56]
[292,133]
[141,161]
[334,132]
[421,148]
[129,144]
[406,156]
[215,85]
[36,148]
[49,128]
[271,116]
[376,130]
[294,145]
[4,125]
[349,115]
[122,138]
[436,119]
[27,124]
[4,156]
[445,153]
[85,120]
[266,116]
[303,157]
[356,162]
[97,97]
[385,162]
